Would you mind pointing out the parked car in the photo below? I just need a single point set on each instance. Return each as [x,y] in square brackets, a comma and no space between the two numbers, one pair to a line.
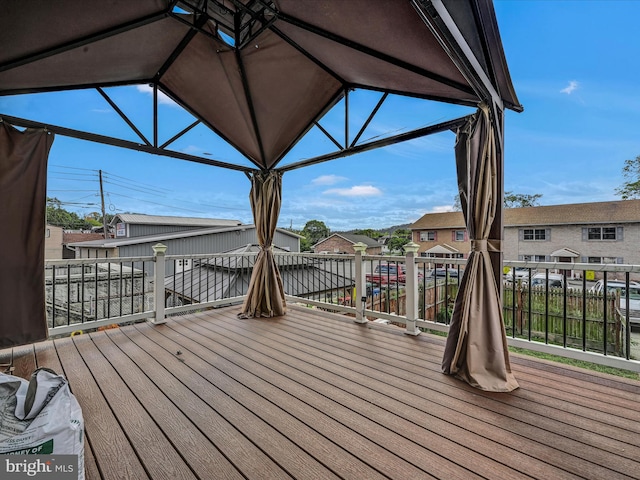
[444,272]
[556,280]
[613,285]
[390,273]
[621,287]
[521,273]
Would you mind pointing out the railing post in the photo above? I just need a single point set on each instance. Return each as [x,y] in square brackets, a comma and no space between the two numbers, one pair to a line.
[411,286]
[360,294]
[158,282]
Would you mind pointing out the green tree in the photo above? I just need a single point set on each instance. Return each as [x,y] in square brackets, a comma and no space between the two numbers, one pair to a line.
[516,200]
[630,189]
[368,232]
[60,217]
[314,231]
[399,239]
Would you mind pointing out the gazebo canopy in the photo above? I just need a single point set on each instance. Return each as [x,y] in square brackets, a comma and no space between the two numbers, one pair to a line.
[259,73]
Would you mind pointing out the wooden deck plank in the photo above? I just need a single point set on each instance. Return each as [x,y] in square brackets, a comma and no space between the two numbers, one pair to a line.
[167,371]
[587,425]
[343,463]
[348,411]
[403,403]
[246,418]
[561,440]
[23,361]
[46,356]
[586,415]
[155,452]
[314,395]
[199,453]
[113,453]
[265,386]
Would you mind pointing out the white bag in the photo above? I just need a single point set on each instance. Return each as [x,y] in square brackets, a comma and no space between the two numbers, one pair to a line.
[40,417]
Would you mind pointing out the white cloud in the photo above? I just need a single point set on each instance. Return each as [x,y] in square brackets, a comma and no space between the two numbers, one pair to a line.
[162,98]
[573,85]
[355,191]
[327,180]
[442,209]
[102,110]
[192,150]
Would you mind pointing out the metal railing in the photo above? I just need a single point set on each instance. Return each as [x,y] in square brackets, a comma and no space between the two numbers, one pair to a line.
[97,292]
[550,307]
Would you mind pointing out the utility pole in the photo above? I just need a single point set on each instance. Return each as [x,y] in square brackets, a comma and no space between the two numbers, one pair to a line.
[104,216]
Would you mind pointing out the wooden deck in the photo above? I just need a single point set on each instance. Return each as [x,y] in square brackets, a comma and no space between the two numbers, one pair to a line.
[313,396]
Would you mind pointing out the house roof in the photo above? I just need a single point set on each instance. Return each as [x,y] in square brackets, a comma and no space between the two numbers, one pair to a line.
[230,276]
[621,211]
[353,239]
[258,73]
[442,249]
[439,220]
[120,242]
[566,252]
[141,219]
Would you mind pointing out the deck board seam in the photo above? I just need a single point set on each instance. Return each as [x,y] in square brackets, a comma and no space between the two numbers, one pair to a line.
[436,433]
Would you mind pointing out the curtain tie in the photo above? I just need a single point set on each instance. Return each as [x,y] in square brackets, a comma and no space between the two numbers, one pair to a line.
[486,245]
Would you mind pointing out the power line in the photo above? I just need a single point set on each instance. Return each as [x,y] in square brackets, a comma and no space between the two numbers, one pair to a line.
[152,187]
[156,203]
[74,168]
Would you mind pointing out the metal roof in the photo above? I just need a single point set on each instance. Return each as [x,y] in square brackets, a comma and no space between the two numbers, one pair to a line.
[118,242]
[213,280]
[141,219]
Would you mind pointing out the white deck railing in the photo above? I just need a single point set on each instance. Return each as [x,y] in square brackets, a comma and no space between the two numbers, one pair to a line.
[410,292]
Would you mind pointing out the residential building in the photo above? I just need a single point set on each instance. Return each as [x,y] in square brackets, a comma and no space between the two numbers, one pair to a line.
[53,242]
[56,240]
[188,242]
[344,242]
[599,232]
[441,235]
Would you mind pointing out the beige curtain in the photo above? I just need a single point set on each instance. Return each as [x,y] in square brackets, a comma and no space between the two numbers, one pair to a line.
[476,349]
[265,296]
[23,190]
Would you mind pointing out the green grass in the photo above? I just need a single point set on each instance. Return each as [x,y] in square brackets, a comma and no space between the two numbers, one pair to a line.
[578,363]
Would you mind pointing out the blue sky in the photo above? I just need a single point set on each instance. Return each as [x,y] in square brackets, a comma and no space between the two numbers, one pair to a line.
[575,70]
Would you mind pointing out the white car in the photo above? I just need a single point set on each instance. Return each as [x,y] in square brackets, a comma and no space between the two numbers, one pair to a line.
[621,287]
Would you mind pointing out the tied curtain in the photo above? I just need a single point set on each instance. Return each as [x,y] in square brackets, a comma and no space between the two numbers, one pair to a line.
[476,349]
[23,190]
[265,296]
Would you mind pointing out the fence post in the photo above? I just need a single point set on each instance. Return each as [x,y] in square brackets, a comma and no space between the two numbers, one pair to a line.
[411,286]
[360,291]
[158,283]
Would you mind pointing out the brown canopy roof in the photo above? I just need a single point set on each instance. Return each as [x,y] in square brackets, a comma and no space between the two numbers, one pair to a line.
[257,72]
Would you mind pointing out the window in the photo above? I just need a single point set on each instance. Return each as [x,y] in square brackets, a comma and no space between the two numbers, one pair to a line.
[428,236]
[601,260]
[459,235]
[534,258]
[534,234]
[602,233]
